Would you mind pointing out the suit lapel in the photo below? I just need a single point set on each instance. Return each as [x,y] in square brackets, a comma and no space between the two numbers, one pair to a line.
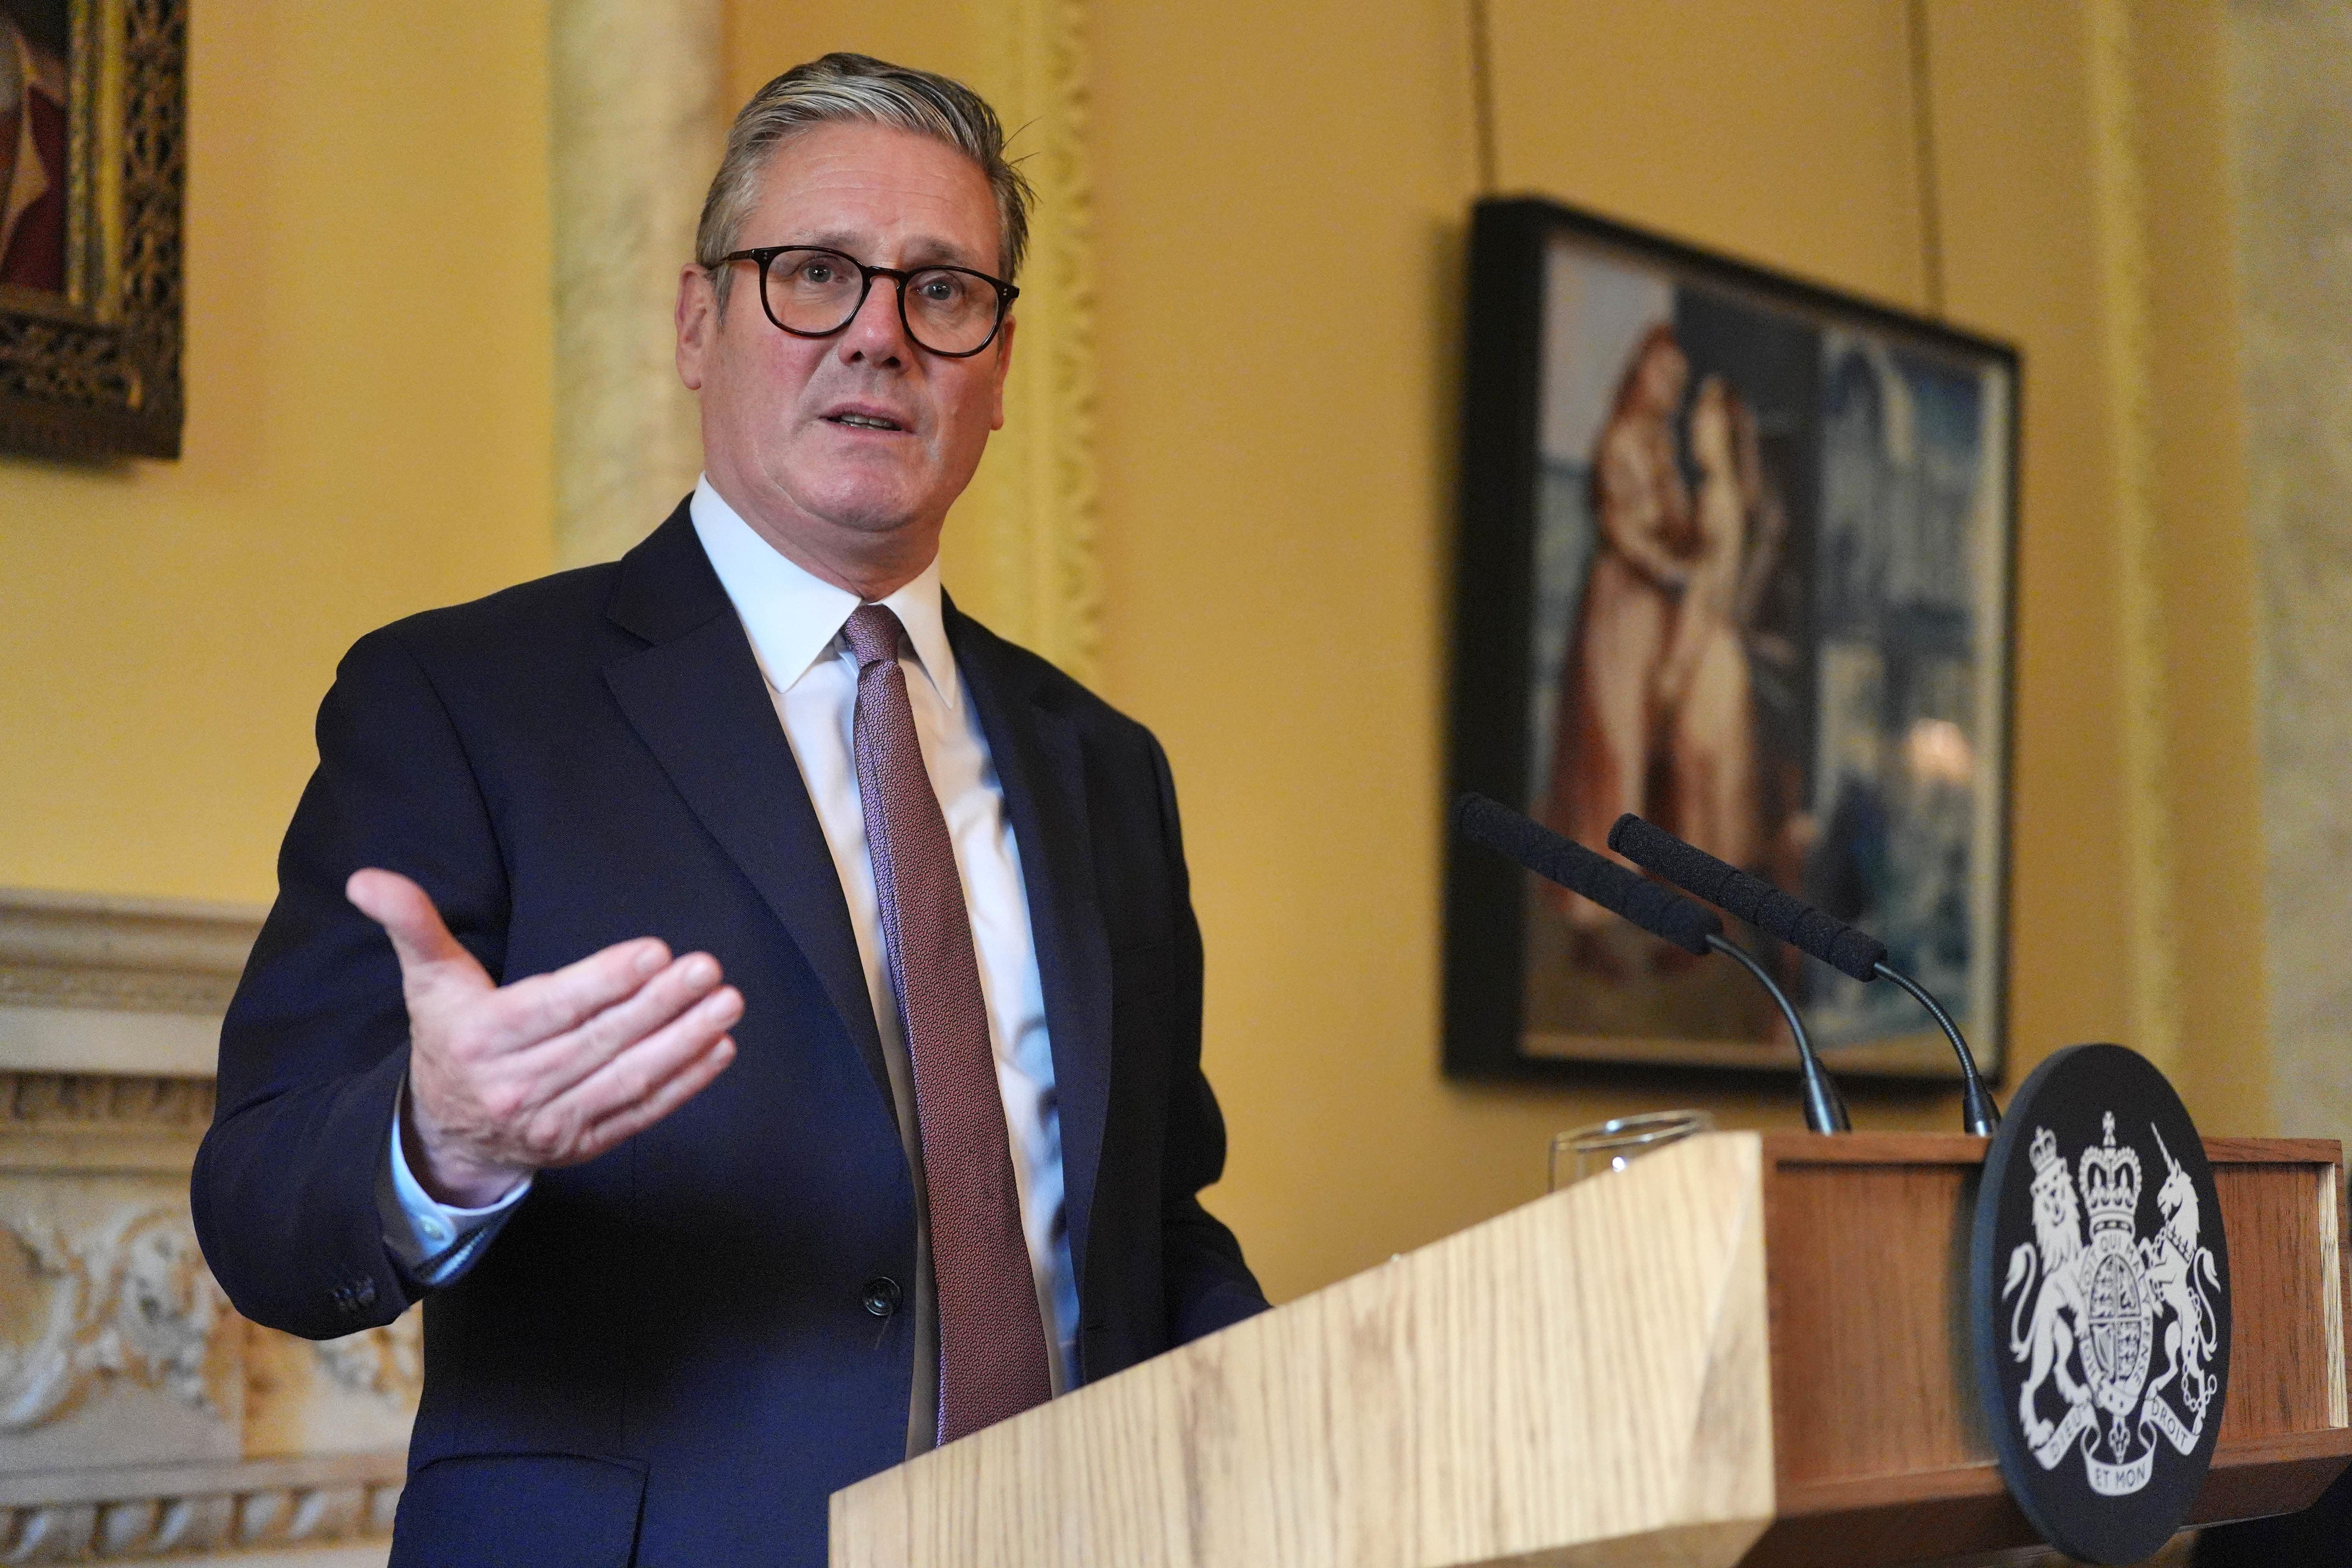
[695,697]
[1042,772]
[697,700]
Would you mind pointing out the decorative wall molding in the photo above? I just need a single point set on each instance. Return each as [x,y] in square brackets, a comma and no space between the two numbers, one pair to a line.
[104,1102]
[117,985]
[639,124]
[85,950]
[152,1511]
[388,1362]
[129,1298]
[140,1417]
[95,1123]
[2291,76]
[1021,551]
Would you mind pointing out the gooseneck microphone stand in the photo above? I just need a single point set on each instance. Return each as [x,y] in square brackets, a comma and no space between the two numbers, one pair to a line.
[1840,946]
[1824,1106]
[1976,1106]
[1664,914]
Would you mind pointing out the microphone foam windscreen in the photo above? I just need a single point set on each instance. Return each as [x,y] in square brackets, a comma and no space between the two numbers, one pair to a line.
[1516,837]
[1751,899]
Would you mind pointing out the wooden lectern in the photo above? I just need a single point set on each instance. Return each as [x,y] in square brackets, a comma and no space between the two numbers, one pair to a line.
[1749,1348]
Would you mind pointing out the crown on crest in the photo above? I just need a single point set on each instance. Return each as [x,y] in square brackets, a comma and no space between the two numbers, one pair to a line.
[2050,1182]
[2111,1179]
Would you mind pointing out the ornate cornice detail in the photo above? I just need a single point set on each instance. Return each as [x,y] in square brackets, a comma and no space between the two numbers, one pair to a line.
[123,1321]
[114,991]
[115,1340]
[141,955]
[386,1361]
[129,1300]
[107,1102]
[145,1511]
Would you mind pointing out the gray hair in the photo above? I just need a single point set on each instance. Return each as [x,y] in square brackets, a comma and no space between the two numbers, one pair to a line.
[859,89]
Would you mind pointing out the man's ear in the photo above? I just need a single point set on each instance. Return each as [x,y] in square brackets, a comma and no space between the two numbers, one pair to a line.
[1004,364]
[698,315]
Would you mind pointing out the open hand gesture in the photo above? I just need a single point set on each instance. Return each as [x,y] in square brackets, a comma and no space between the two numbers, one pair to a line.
[504,1081]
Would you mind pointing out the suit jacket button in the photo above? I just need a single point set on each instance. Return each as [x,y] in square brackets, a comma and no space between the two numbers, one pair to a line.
[882,1295]
[364,1293]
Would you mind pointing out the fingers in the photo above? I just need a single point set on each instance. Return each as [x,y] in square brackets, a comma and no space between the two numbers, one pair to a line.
[636,1089]
[428,953]
[569,1058]
[555,1068]
[674,1092]
[638,1073]
[548,1005]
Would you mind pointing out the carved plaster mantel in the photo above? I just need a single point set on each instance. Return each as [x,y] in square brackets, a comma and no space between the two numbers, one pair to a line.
[140,1416]
[116,985]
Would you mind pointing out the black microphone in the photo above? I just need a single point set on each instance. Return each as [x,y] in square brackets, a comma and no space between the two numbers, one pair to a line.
[1803,927]
[1664,914]
[1752,898]
[1514,835]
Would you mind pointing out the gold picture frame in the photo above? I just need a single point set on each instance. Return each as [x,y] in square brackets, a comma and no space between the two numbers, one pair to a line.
[91,277]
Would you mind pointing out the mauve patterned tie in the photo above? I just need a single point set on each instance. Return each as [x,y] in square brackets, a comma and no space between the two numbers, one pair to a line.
[992,1341]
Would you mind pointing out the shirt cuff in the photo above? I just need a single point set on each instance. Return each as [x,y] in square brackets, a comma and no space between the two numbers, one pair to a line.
[434,1241]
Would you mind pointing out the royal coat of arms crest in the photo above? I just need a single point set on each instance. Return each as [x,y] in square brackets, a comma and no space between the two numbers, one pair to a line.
[2087,1315]
[2091,1314]
[2099,1320]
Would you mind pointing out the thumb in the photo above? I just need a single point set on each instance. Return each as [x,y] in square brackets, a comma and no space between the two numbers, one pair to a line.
[429,956]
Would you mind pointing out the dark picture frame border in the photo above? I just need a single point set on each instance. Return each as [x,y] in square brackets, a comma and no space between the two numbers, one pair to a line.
[96,372]
[1494,608]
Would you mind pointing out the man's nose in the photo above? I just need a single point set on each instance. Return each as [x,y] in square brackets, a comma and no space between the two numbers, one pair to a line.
[876,334]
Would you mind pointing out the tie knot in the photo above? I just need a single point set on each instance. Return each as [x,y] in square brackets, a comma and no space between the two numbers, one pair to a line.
[874,635]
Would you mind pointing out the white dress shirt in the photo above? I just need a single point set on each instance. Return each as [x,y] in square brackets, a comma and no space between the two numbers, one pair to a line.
[793,620]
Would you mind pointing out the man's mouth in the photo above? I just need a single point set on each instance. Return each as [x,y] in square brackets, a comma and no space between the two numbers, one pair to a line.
[864,421]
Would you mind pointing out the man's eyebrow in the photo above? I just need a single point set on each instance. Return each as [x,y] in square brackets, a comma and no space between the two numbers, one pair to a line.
[831,239]
[923,250]
[927,248]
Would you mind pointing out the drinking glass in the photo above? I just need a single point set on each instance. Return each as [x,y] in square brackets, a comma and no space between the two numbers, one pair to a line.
[1613,1145]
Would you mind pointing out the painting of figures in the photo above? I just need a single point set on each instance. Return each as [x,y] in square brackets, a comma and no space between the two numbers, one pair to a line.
[1735,558]
[93,164]
[33,99]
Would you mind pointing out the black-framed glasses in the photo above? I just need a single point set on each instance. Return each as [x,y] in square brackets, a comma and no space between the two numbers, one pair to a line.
[812,292]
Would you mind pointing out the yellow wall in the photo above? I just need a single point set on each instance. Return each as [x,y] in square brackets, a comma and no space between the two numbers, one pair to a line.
[368,335]
[1280,333]
[1280,218]
[1281,196]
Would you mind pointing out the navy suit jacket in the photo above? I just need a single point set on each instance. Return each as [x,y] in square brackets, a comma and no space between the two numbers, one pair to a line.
[667,1358]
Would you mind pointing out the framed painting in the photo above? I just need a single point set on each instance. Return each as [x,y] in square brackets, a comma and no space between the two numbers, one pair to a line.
[92,164]
[1735,554]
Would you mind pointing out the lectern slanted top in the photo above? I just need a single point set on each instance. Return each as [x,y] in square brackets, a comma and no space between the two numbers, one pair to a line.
[1749,1349]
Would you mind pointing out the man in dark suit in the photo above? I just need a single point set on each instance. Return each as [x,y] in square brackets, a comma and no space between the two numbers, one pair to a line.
[697,1250]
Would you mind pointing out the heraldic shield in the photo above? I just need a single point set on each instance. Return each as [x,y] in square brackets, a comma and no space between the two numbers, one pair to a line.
[2099,1300]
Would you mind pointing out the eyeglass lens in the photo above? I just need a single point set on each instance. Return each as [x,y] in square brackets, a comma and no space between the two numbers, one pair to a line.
[946,311]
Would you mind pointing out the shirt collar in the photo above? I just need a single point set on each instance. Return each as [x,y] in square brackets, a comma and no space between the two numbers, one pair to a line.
[793,617]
